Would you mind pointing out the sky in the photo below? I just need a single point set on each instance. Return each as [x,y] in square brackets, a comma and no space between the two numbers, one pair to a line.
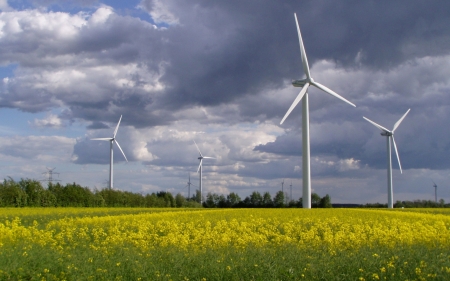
[220,72]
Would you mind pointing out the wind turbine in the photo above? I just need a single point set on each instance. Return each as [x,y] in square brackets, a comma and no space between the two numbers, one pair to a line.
[111,141]
[290,196]
[188,185]
[390,135]
[435,191]
[199,170]
[303,95]
[282,184]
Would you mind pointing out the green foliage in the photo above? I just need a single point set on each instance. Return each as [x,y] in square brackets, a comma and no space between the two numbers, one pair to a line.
[325,202]
[278,200]
[12,195]
[31,193]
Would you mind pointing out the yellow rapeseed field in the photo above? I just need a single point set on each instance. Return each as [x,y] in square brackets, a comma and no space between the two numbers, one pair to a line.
[224,244]
[239,228]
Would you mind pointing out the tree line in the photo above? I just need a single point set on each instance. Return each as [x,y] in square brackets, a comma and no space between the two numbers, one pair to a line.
[256,200]
[31,193]
[411,204]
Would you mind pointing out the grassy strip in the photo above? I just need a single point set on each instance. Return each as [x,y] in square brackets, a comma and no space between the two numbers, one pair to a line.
[272,263]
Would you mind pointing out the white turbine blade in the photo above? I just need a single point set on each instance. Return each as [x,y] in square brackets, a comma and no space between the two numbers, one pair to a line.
[118,145]
[396,152]
[329,91]
[207,157]
[198,170]
[302,50]
[117,127]
[400,120]
[296,101]
[378,126]
[105,139]
[198,149]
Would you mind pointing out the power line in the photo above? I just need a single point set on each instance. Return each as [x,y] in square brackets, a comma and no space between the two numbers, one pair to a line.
[50,174]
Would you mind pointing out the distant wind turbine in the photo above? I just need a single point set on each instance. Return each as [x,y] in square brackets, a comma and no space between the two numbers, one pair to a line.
[290,196]
[111,141]
[188,185]
[435,191]
[199,170]
[390,136]
[303,95]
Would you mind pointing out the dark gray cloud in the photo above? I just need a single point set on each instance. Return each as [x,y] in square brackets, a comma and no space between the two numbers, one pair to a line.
[208,66]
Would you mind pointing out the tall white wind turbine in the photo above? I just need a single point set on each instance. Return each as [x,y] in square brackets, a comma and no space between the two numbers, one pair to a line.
[390,136]
[111,141]
[199,170]
[303,95]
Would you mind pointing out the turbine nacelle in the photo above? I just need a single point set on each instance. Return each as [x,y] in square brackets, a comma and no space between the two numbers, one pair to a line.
[309,81]
[300,83]
[386,134]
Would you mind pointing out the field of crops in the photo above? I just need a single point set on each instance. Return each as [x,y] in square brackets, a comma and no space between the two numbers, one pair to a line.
[224,244]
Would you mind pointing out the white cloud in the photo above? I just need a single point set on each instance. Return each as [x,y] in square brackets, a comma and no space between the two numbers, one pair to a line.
[159,11]
[50,121]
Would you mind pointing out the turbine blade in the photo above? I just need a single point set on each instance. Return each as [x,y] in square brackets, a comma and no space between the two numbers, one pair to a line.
[378,126]
[207,157]
[329,91]
[296,101]
[198,149]
[105,139]
[400,120]
[117,127]
[302,51]
[118,145]
[198,170]
[396,152]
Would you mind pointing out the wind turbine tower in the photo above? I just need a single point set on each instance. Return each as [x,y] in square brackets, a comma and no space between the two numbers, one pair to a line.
[111,153]
[199,170]
[390,139]
[303,96]
[435,191]
[290,196]
[189,187]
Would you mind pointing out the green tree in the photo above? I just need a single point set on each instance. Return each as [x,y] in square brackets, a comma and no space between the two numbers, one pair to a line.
[278,200]
[11,195]
[34,191]
[233,199]
[179,200]
[267,200]
[256,199]
[315,200]
[325,202]
[211,201]
[197,196]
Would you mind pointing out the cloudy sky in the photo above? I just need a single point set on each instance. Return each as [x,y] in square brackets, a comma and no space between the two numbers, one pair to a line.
[220,72]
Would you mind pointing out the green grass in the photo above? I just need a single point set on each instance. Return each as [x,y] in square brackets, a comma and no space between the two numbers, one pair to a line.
[281,263]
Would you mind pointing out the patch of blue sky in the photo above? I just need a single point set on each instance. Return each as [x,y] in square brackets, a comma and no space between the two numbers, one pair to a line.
[17,123]
[123,8]
[7,70]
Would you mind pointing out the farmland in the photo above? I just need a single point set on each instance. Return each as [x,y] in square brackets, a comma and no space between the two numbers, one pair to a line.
[224,244]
